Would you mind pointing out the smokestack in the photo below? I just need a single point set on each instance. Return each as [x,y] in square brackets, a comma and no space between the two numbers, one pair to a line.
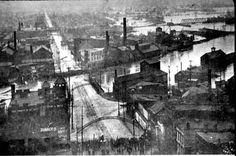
[115,74]
[180,66]
[31,49]
[209,80]
[107,39]
[124,31]
[15,40]
[19,26]
[13,89]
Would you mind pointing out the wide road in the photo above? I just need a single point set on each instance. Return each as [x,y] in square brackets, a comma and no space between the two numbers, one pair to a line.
[85,96]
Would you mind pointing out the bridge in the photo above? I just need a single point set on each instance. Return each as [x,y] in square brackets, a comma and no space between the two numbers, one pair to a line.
[65,74]
[79,129]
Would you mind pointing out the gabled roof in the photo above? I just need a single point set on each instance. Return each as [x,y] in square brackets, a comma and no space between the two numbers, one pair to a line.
[42,47]
[46,84]
[60,80]
[9,50]
[152,60]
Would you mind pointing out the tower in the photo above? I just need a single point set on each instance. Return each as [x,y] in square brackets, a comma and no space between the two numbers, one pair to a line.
[60,87]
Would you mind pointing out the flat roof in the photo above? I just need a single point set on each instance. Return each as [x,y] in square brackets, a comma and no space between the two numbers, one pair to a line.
[199,124]
[215,137]
[186,107]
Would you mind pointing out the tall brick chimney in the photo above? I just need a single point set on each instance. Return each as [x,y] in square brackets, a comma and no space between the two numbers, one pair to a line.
[124,31]
[14,35]
[31,49]
[107,39]
[209,80]
[13,89]
[115,74]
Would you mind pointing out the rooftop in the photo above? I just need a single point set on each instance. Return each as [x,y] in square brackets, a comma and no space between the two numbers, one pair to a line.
[145,97]
[140,74]
[23,97]
[157,107]
[216,137]
[31,34]
[42,47]
[147,47]
[214,54]
[152,60]
[86,43]
[144,83]
[200,125]
[189,107]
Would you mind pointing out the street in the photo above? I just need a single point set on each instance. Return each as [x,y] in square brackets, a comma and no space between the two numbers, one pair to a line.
[94,106]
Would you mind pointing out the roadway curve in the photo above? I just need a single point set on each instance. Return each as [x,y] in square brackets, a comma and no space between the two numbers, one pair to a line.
[94,105]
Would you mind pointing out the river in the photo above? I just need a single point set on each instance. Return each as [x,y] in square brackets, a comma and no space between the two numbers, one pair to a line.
[174,59]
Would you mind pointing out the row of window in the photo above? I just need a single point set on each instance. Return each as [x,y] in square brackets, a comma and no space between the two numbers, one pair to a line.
[180,139]
[37,60]
[42,109]
[96,56]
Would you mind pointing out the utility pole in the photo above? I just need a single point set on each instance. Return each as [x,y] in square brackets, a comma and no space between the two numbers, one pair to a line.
[82,135]
[177,77]
[72,108]
[70,99]
[133,108]
[169,77]
[190,71]
[76,134]
[118,107]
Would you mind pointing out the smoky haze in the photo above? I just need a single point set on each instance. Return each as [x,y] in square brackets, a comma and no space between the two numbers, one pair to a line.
[81,6]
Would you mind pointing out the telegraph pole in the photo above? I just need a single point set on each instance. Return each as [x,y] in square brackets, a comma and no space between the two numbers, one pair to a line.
[76,134]
[118,107]
[169,77]
[82,133]
[72,107]
[190,70]
[133,115]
